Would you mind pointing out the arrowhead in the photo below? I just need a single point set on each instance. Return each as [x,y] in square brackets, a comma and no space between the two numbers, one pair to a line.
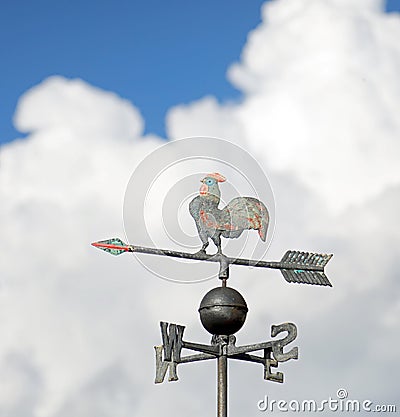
[114,246]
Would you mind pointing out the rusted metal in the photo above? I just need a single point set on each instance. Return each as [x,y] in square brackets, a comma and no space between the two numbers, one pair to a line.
[295,265]
[240,214]
[223,311]
[222,384]
[223,347]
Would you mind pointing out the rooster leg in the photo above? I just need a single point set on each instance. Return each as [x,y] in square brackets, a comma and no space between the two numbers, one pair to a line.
[217,241]
[203,249]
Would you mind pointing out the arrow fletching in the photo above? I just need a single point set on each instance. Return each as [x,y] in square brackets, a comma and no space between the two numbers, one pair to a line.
[294,260]
[114,246]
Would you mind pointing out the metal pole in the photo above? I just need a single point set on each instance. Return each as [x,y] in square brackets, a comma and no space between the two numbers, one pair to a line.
[222,403]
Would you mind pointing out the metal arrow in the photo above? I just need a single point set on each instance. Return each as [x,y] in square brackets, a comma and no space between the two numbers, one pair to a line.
[296,266]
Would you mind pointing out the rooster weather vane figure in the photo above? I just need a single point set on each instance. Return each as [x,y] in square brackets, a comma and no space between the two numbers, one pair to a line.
[223,309]
[242,213]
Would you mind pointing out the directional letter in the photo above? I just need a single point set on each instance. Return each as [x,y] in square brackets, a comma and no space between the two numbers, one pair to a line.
[172,345]
[271,376]
[162,367]
[277,346]
[172,341]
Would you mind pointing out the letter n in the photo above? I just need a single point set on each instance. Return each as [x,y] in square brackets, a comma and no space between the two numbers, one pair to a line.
[162,367]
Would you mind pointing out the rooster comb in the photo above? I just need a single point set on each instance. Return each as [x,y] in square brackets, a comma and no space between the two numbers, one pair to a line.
[216,176]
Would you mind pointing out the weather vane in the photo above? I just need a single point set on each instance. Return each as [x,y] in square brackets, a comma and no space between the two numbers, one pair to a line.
[223,309]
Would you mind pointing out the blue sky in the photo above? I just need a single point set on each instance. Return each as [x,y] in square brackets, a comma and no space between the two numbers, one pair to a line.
[156,54]
[320,112]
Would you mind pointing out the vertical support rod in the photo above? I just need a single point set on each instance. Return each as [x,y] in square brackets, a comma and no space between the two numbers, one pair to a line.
[222,399]
[223,269]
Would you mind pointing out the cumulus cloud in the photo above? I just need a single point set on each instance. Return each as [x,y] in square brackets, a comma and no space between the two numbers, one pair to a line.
[320,111]
[321,93]
[204,117]
[57,186]
[322,81]
[76,107]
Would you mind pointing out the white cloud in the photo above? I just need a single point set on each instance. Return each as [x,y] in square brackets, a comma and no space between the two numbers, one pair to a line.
[320,112]
[322,81]
[321,97]
[205,117]
[57,186]
[76,107]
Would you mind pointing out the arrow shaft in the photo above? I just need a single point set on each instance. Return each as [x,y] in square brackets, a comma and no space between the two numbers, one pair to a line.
[296,266]
[217,258]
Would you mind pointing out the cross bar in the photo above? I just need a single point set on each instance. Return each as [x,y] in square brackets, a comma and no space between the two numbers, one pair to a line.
[222,348]
[296,266]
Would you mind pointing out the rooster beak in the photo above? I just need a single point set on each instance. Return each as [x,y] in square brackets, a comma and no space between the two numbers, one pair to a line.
[203,189]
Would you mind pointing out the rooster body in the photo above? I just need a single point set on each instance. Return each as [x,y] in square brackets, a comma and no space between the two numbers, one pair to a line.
[242,213]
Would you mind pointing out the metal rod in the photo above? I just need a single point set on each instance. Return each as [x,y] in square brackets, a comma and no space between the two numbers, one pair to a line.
[296,266]
[212,350]
[222,397]
[227,260]
[196,358]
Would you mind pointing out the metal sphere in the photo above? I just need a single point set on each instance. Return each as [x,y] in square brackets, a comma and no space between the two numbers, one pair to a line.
[223,311]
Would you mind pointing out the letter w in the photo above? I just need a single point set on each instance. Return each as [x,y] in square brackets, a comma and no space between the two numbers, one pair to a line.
[172,341]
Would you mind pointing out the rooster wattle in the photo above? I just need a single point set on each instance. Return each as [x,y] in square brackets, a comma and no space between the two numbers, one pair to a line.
[242,213]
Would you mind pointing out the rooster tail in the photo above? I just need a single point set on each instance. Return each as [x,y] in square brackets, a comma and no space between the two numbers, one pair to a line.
[262,231]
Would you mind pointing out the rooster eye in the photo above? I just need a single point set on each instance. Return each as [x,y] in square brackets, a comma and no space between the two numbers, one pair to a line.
[209,182]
